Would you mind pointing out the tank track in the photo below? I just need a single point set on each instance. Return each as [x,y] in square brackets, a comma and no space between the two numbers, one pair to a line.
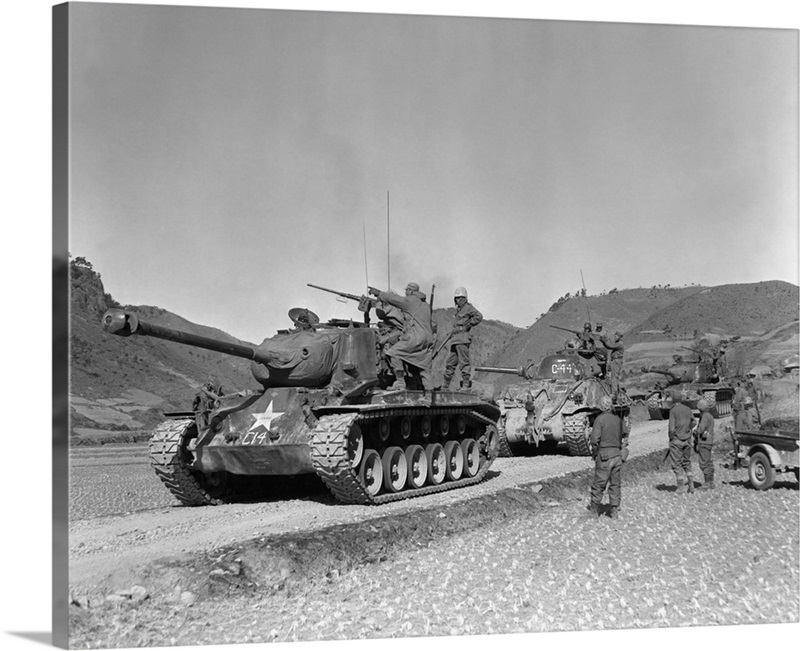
[575,435]
[503,446]
[332,464]
[167,457]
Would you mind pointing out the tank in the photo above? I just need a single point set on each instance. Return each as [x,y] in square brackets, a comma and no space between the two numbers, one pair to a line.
[319,410]
[689,382]
[558,403]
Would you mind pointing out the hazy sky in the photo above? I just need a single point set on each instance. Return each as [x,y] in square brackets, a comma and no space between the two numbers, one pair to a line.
[223,158]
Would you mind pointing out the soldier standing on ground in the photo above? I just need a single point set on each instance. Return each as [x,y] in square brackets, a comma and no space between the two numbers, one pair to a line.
[414,345]
[680,447]
[466,318]
[610,449]
[747,419]
[739,395]
[704,440]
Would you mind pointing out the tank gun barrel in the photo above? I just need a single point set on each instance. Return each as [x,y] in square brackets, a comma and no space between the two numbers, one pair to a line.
[124,324]
[575,332]
[522,371]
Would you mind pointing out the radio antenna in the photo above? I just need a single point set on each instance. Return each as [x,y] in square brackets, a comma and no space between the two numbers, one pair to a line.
[586,298]
[388,248]
[366,266]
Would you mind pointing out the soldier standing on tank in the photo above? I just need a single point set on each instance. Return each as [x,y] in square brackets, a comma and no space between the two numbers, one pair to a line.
[680,445]
[704,440]
[390,329]
[616,353]
[610,449]
[466,318]
[416,341]
[586,340]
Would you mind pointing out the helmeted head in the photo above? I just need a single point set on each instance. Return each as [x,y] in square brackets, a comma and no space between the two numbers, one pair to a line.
[411,288]
[461,292]
[587,327]
[702,404]
[598,327]
[748,402]
[606,403]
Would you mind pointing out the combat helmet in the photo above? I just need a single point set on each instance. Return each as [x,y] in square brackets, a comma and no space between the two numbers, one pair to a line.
[460,292]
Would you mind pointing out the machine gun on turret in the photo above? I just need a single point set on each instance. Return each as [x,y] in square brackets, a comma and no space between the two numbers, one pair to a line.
[365,303]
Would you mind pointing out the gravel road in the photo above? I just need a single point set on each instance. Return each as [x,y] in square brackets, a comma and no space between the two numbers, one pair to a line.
[122,517]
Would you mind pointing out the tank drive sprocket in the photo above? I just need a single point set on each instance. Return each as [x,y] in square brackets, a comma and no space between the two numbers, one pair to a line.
[170,461]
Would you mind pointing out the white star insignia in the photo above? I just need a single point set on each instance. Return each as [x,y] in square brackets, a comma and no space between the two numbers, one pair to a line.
[264,420]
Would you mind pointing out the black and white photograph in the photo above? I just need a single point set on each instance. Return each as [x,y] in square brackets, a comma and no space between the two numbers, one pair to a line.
[413,325]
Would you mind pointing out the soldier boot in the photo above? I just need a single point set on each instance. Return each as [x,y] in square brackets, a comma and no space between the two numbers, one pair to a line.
[679,483]
[689,483]
[593,509]
[400,381]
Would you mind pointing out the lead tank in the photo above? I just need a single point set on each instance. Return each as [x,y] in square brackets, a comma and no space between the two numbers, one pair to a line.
[688,382]
[558,403]
[318,411]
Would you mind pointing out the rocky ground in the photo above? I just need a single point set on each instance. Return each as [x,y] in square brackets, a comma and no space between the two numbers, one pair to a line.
[516,554]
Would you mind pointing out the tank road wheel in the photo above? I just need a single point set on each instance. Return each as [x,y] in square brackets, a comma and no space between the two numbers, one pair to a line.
[371,472]
[472,457]
[461,424]
[761,472]
[403,428]
[454,457]
[417,466]
[437,464]
[443,427]
[171,461]
[425,427]
[395,469]
[384,429]
[576,434]
[355,445]
[654,407]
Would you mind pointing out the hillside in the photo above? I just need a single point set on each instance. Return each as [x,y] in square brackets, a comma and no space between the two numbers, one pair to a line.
[759,320]
[126,383]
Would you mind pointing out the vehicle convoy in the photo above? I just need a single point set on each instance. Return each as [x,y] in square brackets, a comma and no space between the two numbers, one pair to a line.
[689,382]
[559,402]
[765,452]
[319,410]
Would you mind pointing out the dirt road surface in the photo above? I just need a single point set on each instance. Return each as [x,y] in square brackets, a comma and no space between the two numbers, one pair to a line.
[122,518]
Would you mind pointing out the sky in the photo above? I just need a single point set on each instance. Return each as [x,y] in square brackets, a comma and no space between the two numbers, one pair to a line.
[223,158]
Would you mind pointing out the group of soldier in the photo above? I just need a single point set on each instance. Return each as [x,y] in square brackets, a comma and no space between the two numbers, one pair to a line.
[407,336]
[607,350]
[609,445]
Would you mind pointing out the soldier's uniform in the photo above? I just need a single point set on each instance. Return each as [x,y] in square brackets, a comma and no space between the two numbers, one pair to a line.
[586,340]
[704,442]
[616,353]
[747,419]
[466,318]
[414,345]
[608,441]
[680,445]
[739,396]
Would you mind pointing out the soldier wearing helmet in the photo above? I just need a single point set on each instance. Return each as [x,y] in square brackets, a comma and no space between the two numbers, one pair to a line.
[466,317]
[586,340]
[609,442]
[679,431]
[704,440]
[615,354]
[413,348]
